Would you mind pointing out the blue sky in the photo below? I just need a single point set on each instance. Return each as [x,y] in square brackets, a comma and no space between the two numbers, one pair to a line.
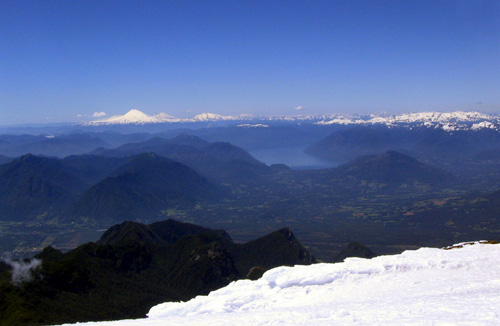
[60,59]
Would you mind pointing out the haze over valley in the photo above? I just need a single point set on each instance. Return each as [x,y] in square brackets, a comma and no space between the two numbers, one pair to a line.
[331,182]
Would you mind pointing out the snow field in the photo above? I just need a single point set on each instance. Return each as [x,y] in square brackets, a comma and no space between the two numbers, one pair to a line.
[421,287]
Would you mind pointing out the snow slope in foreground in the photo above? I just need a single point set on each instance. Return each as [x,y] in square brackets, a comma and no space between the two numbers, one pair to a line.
[422,287]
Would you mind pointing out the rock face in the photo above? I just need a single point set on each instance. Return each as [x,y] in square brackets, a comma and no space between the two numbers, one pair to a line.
[275,249]
[354,249]
[255,273]
[135,266]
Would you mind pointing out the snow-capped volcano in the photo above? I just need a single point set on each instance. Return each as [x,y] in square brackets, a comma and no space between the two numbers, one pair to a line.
[134,116]
[428,286]
[131,117]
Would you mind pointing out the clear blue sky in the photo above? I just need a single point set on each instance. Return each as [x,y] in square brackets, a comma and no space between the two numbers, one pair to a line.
[60,59]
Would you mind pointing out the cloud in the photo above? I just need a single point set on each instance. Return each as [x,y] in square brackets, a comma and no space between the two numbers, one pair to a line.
[98,114]
[23,271]
[302,107]
[81,115]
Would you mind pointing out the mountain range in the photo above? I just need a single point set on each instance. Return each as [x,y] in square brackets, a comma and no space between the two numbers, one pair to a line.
[220,161]
[435,146]
[135,116]
[100,188]
[120,185]
[49,145]
[145,179]
[448,121]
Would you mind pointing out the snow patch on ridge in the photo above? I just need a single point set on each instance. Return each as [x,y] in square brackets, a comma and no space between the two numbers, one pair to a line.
[484,125]
[248,125]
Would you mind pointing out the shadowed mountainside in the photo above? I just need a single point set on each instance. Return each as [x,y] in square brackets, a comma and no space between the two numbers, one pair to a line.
[143,187]
[392,168]
[33,185]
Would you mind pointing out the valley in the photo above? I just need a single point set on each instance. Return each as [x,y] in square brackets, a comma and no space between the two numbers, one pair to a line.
[404,188]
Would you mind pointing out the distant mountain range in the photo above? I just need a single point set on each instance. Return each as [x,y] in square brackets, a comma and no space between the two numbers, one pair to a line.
[49,145]
[219,161]
[133,181]
[135,116]
[449,121]
[135,266]
[142,181]
[428,144]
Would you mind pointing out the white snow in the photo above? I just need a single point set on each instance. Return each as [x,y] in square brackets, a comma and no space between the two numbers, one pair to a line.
[163,117]
[212,117]
[219,117]
[135,116]
[449,121]
[428,286]
[131,117]
[248,125]
[483,125]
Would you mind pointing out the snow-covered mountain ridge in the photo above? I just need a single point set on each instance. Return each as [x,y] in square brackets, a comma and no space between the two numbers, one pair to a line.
[450,121]
[135,116]
[428,286]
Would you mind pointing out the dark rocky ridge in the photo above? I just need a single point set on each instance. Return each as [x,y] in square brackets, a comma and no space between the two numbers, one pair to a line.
[135,266]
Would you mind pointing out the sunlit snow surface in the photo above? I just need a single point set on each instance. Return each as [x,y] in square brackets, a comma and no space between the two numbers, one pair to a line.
[422,287]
